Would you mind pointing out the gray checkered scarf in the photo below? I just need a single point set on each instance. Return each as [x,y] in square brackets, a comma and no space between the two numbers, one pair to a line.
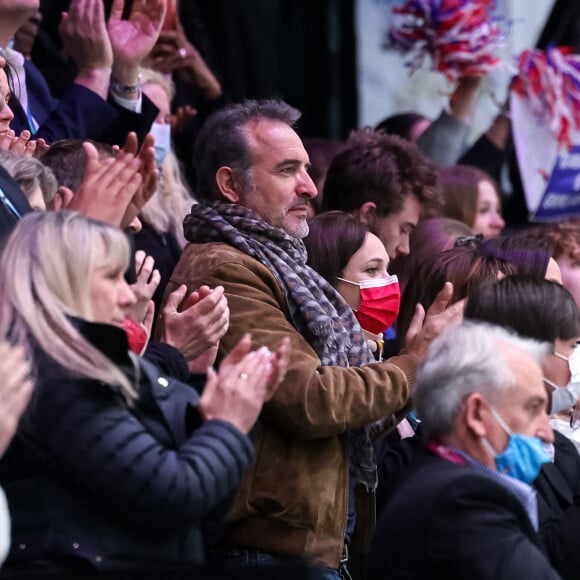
[317,311]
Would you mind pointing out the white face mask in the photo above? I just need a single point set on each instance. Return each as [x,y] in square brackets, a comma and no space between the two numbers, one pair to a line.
[564,397]
[162,134]
[573,361]
[574,365]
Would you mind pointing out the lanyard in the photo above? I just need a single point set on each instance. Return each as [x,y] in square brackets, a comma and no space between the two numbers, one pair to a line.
[445,452]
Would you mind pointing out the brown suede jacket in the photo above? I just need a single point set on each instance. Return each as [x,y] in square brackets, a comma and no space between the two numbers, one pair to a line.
[294,499]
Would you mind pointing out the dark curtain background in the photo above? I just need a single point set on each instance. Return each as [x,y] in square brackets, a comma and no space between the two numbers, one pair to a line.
[563,25]
[300,50]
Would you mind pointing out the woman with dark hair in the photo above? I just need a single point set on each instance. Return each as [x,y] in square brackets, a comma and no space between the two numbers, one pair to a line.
[532,257]
[546,311]
[427,240]
[354,261]
[333,238]
[463,266]
[473,197]
[530,306]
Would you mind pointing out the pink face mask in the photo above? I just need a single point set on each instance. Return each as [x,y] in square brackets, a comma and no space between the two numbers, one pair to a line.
[136,335]
[380,301]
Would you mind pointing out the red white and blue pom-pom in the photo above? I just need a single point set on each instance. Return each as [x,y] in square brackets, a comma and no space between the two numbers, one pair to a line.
[460,36]
[550,81]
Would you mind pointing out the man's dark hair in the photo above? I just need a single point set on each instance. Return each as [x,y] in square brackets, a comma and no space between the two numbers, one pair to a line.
[68,160]
[222,141]
[379,168]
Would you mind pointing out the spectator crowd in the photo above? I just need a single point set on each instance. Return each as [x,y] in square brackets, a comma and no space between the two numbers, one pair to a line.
[227,352]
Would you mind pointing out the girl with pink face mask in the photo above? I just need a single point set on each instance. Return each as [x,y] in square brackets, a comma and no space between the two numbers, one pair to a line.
[355,262]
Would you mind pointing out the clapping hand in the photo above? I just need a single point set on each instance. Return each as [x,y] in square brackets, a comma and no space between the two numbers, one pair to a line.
[245,380]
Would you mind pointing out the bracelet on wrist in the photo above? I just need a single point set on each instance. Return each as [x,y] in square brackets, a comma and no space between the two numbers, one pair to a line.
[123,90]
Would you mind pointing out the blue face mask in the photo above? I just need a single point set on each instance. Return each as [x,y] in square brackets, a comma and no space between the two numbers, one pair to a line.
[162,134]
[523,457]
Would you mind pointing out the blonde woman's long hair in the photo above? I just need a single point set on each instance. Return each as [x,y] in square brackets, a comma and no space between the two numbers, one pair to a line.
[165,210]
[45,272]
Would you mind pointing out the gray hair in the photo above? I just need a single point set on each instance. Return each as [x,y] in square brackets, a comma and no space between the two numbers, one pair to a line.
[30,173]
[222,141]
[466,359]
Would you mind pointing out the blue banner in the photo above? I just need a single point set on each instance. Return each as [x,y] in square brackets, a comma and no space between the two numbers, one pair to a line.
[561,198]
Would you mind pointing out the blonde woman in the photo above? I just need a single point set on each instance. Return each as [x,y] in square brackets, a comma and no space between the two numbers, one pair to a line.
[162,217]
[114,465]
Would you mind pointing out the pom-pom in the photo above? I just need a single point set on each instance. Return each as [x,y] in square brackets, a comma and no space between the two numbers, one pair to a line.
[459,35]
[550,81]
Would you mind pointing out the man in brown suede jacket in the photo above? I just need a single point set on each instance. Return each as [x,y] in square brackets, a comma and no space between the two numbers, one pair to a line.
[246,235]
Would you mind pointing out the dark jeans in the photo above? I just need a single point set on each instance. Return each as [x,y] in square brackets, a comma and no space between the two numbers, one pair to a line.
[279,567]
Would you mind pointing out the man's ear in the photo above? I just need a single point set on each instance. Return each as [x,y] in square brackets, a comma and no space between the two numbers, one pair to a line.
[61,199]
[367,212]
[228,184]
[475,409]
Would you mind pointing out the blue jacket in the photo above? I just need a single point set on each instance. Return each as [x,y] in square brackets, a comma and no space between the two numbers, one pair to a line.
[89,477]
[79,114]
